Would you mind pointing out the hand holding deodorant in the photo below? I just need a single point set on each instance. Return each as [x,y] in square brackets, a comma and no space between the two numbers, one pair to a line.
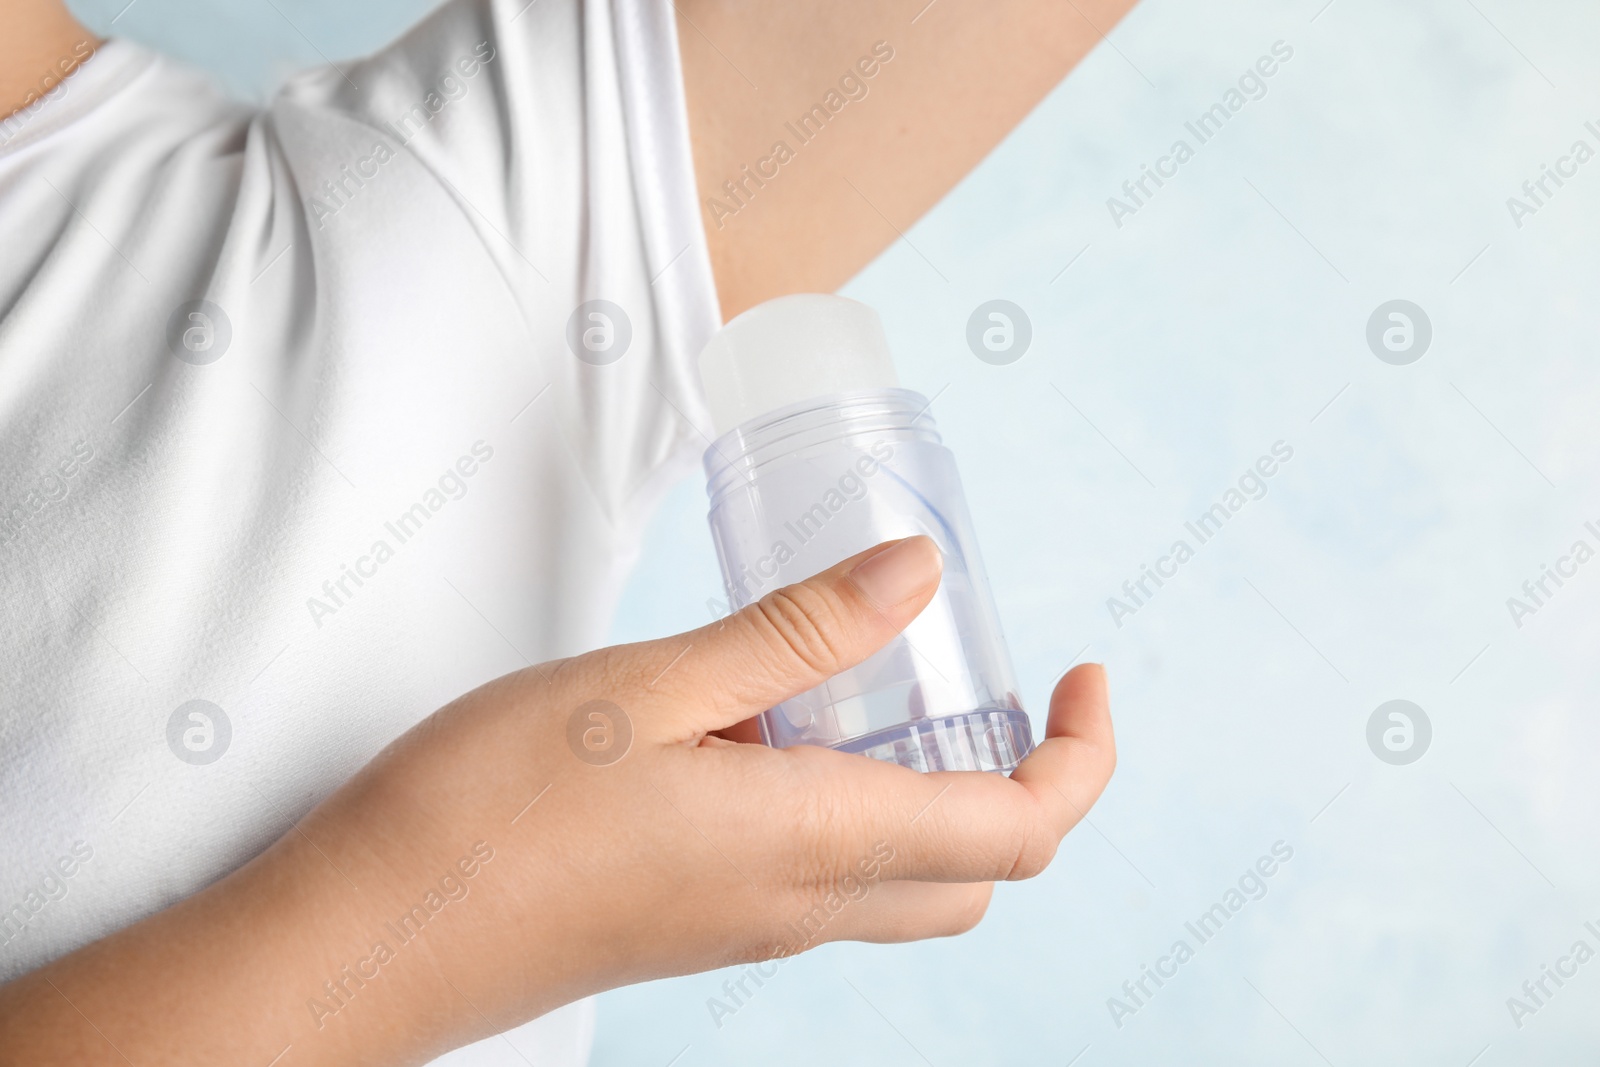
[820,455]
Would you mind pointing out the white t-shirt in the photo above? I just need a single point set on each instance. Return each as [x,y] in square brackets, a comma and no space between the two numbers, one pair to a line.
[294,424]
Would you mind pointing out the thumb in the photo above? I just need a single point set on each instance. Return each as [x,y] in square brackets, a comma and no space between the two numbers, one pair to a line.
[796,637]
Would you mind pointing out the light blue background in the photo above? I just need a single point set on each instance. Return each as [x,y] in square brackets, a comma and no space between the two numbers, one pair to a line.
[1223,317]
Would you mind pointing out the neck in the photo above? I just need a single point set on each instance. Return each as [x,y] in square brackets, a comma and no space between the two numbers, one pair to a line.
[42,44]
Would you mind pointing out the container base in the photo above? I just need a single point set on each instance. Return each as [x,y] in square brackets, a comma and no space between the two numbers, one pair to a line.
[994,740]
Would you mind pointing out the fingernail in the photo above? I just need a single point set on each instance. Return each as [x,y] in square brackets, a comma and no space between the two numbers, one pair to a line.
[899,571]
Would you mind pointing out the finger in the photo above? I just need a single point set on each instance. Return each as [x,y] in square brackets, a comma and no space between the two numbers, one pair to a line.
[894,912]
[965,826]
[1070,768]
[793,638]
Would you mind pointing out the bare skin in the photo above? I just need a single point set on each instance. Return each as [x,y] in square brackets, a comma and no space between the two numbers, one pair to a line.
[963,74]
[696,849]
[41,44]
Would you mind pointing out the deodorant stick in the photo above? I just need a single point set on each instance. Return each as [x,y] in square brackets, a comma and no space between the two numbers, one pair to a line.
[820,455]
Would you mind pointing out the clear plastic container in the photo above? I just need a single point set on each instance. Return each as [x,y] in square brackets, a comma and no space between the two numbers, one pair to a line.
[798,489]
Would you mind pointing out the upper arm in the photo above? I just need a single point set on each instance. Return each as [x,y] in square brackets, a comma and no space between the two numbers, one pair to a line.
[807,216]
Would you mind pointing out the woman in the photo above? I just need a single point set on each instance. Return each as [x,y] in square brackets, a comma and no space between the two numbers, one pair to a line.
[303,434]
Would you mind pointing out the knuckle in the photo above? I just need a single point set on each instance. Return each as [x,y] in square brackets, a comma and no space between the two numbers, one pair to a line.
[1032,847]
[827,824]
[1031,862]
[829,819]
[804,623]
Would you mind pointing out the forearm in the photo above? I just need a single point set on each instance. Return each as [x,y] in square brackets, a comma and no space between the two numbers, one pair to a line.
[223,976]
[313,944]
[395,921]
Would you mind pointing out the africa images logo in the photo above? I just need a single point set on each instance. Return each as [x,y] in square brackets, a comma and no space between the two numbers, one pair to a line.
[199,732]
[599,332]
[198,332]
[999,332]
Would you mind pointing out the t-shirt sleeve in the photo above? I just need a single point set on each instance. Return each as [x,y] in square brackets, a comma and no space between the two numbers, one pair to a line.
[557,132]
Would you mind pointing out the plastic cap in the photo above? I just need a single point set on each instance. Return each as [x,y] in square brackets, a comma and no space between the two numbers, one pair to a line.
[791,349]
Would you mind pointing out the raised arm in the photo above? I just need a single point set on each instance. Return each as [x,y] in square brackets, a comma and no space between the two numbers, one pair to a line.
[822,130]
